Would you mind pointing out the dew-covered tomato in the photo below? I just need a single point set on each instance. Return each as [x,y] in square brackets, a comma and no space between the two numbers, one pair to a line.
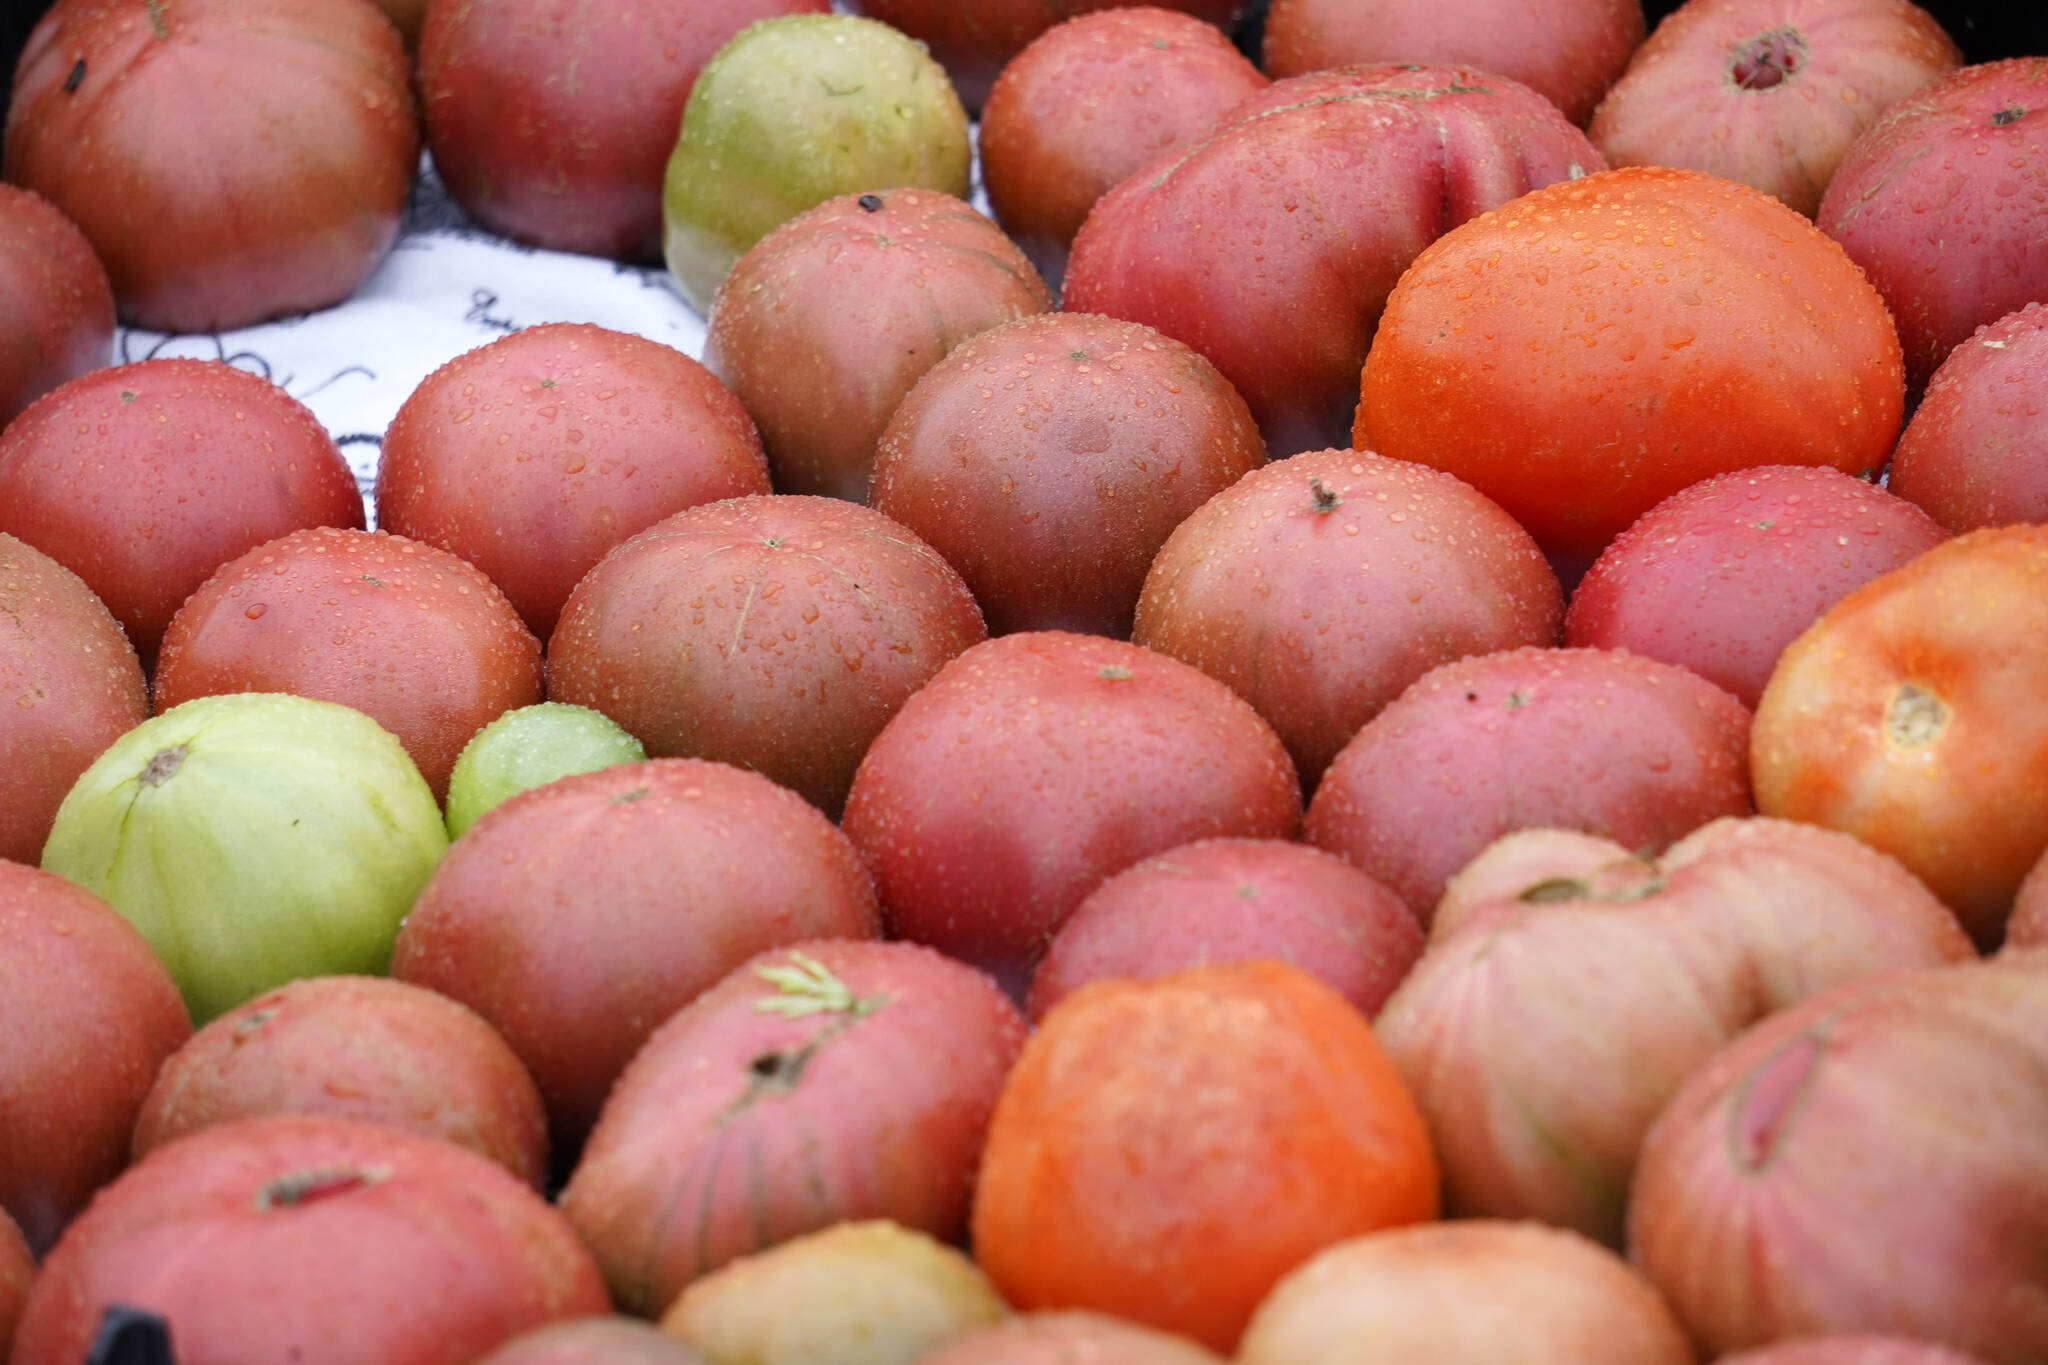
[1910,717]
[56,307]
[271,1238]
[1035,765]
[143,479]
[87,1014]
[408,634]
[532,456]
[229,160]
[70,685]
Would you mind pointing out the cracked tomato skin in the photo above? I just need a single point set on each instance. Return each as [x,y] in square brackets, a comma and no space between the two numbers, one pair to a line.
[1910,716]
[832,1081]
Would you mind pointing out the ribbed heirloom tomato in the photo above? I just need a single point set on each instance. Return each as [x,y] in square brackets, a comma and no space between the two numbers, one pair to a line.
[1587,350]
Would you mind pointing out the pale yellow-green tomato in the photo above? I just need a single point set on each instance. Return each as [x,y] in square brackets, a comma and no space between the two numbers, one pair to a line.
[793,111]
[528,747]
[253,838]
[866,1293]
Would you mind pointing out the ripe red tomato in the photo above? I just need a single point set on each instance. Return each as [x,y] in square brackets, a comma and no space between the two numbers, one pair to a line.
[230,160]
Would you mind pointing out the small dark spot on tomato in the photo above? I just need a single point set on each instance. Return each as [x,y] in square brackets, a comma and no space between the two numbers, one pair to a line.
[871,202]
[2005,118]
[129,395]
[76,78]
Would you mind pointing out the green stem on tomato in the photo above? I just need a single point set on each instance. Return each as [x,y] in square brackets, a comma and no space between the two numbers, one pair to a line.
[158,24]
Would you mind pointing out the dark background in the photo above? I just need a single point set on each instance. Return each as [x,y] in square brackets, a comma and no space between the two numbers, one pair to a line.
[1985,29]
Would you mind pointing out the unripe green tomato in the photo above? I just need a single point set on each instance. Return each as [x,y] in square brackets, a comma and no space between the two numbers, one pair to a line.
[528,747]
[253,838]
[793,111]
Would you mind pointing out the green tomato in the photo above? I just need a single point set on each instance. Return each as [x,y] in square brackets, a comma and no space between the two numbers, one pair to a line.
[528,747]
[790,113]
[253,839]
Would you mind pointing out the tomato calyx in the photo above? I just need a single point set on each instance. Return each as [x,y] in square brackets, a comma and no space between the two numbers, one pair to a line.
[1915,718]
[1321,497]
[164,766]
[1768,60]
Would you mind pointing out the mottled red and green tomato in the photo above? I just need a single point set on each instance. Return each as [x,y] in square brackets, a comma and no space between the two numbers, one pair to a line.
[1768,92]
[1568,51]
[1721,577]
[778,633]
[821,1084]
[551,122]
[1068,1337]
[410,635]
[1601,741]
[1280,279]
[1570,987]
[1035,765]
[269,1237]
[1909,716]
[56,307]
[1320,587]
[1049,459]
[977,41]
[87,1014]
[793,111]
[1231,900]
[529,747]
[229,160]
[1901,1112]
[578,916]
[867,1293]
[254,838]
[825,323]
[612,1339]
[143,479]
[70,685]
[1093,100]
[1976,450]
[361,1047]
[1465,1292]
[534,455]
[1939,200]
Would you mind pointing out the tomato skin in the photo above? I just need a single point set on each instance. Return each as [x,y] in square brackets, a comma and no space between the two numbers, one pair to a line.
[1939,203]
[415,638]
[1720,577]
[1568,51]
[1102,1188]
[1280,279]
[1090,102]
[551,122]
[1910,716]
[1976,451]
[534,455]
[229,160]
[1596,740]
[1034,765]
[87,1016]
[1585,351]
[56,306]
[144,479]
[381,1247]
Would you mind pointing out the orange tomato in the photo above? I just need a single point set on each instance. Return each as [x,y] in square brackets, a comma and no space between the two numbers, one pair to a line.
[1583,352]
[1165,1150]
[1911,716]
